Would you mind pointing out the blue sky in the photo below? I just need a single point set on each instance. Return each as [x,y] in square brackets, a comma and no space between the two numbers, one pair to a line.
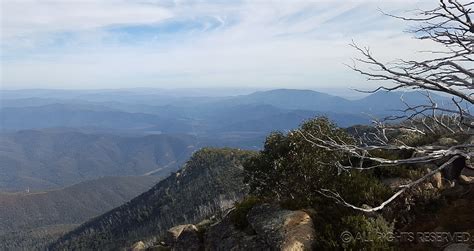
[173,44]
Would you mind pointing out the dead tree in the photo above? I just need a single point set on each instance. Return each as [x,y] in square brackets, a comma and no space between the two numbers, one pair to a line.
[448,71]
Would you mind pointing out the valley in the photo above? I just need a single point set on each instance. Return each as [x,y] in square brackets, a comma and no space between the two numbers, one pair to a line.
[30,220]
[38,160]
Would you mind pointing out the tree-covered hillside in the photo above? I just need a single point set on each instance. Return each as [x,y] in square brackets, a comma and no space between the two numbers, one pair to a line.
[31,220]
[37,160]
[209,183]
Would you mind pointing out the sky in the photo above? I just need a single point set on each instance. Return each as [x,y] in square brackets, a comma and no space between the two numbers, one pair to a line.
[97,44]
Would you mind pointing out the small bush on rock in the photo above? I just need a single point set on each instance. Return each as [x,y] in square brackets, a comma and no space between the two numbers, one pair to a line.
[239,214]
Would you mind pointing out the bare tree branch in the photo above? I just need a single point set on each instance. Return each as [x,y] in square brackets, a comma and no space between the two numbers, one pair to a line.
[335,196]
[449,72]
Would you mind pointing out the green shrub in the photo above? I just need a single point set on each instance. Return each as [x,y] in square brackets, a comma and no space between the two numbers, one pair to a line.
[288,167]
[417,139]
[292,170]
[367,233]
[238,216]
[338,228]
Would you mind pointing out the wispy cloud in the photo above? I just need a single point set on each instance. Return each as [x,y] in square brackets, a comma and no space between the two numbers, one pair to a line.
[106,43]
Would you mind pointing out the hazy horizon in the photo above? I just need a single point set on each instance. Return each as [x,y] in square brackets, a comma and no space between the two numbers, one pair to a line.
[207,44]
[200,91]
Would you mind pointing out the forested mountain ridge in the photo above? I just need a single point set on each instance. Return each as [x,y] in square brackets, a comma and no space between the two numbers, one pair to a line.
[210,182]
[38,160]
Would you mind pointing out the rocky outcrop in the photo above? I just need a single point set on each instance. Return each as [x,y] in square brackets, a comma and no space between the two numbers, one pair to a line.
[225,236]
[467,173]
[467,176]
[173,233]
[447,141]
[437,180]
[282,229]
[453,171]
[395,183]
[184,238]
[269,228]
[138,246]
[458,247]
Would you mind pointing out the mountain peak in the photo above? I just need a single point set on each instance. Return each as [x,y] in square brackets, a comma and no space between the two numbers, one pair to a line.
[284,91]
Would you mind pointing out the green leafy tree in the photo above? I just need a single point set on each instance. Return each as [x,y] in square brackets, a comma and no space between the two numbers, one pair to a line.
[292,171]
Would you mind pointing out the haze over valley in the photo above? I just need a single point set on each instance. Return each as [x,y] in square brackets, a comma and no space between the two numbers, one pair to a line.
[54,138]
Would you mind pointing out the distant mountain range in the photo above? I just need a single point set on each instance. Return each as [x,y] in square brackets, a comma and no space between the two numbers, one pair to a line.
[284,109]
[54,138]
[29,220]
[74,115]
[71,136]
